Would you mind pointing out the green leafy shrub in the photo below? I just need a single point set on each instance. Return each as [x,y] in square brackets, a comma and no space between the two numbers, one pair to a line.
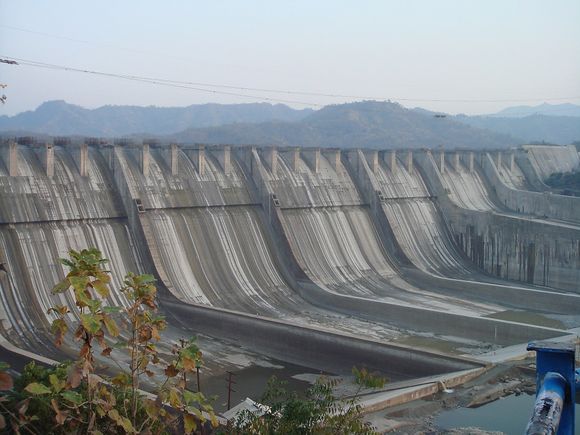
[70,398]
[366,379]
[319,412]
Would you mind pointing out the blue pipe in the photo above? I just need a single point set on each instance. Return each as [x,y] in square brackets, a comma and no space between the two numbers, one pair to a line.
[545,418]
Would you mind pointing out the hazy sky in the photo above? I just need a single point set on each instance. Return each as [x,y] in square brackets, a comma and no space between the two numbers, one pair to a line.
[451,50]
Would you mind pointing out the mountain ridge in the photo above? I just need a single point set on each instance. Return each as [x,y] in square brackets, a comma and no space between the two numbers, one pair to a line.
[364,123]
[565,109]
[60,118]
[367,124]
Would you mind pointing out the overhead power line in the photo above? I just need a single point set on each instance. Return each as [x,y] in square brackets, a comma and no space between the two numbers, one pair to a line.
[214,88]
[150,80]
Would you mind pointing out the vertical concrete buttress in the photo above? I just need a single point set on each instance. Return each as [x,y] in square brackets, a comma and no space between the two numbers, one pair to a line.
[224,157]
[272,159]
[456,161]
[471,160]
[174,159]
[317,160]
[498,160]
[84,156]
[512,161]
[295,158]
[374,163]
[145,156]
[410,161]
[334,158]
[442,162]
[49,163]
[13,159]
[109,154]
[391,160]
[201,160]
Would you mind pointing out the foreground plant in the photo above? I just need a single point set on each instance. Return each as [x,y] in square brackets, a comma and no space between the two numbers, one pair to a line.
[364,378]
[319,412]
[73,399]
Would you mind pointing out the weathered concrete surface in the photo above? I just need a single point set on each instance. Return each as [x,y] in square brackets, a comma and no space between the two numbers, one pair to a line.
[422,388]
[334,241]
[542,205]
[322,349]
[412,227]
[284,233]
[547,160]
[513,247]
[41,218]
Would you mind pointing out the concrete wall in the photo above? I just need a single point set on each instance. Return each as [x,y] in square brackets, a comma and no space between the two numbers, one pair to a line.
[432,321]
[9,158]
[133,193]
[485,329]
[316,348]
[511,247]
[514,296]
[532,176]
[543,205]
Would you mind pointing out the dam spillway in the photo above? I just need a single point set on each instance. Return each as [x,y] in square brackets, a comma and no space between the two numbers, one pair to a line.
[310,243]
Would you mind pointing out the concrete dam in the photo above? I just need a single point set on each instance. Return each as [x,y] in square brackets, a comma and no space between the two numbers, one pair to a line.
[325,258]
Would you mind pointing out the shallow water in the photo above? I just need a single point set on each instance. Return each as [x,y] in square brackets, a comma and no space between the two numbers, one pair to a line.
[509,415]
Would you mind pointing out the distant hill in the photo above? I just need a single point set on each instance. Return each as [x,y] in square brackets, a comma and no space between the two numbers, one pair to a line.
[546,109]
[365,124]
[552,129]
[61,118]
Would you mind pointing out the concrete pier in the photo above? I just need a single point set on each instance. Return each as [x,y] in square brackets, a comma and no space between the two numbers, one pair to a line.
[391,160]
[201,160]
[410,162]
[512,161]
[374,161]
[224,157]
[84,156]
[456,161]
[145,157]
[49,159]
[498,160]
[442,162]
[471,160]
[13,159]
[295,159]
[271,155]
[174,159]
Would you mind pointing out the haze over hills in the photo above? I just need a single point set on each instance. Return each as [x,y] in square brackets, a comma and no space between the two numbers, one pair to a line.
[553,123]
[545,125]
[534,128]
[566,109]
[365,124]
[61,118]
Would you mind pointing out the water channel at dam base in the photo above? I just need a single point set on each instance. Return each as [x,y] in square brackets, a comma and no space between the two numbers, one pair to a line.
[509,415]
